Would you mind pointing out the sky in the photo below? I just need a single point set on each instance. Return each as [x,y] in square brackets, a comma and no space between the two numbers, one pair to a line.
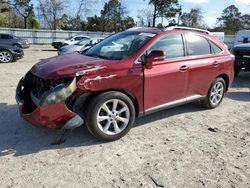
[211,8]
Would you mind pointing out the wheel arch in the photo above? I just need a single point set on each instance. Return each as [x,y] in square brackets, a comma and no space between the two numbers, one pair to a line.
[126,92]
[225,77]
[17,44]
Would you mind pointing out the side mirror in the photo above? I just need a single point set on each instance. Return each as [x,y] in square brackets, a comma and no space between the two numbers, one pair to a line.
[156,55]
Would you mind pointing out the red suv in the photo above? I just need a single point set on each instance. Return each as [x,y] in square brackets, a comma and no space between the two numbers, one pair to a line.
[129,74]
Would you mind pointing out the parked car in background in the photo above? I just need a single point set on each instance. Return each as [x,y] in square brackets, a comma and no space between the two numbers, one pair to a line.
[10,53]
[241,50]
[242,37]
[106,88]
[12,40]
[80,46]
[69,41]
[242,57]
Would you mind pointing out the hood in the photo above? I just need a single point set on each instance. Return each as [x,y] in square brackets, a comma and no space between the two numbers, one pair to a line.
[67,65]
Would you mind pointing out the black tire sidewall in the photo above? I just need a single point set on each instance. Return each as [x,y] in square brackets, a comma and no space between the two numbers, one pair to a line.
[92,110]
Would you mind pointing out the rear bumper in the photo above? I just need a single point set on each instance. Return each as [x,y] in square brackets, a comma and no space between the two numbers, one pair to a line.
[243,62]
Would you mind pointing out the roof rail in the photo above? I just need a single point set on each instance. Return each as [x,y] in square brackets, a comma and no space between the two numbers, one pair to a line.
[187,28]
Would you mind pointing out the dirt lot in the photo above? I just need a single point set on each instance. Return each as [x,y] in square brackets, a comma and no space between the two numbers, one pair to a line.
[186,146]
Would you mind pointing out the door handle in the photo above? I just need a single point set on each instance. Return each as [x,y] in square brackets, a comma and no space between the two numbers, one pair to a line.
[183,68]
[215,63]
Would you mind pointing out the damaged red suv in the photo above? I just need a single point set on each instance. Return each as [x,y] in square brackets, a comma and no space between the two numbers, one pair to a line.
[129,74]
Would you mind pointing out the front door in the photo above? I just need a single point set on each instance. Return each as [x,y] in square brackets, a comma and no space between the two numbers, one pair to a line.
[166,82]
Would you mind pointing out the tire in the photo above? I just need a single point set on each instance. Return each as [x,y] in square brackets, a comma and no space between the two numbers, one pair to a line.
[6,56]
[215,94]
[17,45]
[111,125]
[237,70]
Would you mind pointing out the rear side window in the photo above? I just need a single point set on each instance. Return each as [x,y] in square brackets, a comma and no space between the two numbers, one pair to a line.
[216,49]
[197,45]
[171,44]
[3,36]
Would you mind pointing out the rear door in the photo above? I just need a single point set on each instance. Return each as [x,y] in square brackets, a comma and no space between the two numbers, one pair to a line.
[203,64]
[167,80]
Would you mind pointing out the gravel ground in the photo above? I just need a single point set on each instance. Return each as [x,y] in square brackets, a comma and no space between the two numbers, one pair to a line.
[187,146]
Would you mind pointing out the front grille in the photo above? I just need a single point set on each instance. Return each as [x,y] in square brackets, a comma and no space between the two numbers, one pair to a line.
[39,86]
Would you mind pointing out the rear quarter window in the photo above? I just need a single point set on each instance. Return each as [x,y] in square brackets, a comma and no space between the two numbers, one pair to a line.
[216,49]
[197,45]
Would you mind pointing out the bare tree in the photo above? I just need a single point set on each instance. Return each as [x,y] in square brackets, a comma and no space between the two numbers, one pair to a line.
[22,7]
[145,16]
[51,11]
[84,7]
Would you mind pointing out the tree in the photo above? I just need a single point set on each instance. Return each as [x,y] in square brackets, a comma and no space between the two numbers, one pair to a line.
[193,19]
[245,21]
[164,8]
[230,20]
[113,15]
[51,11]
[145,16]
[23,8]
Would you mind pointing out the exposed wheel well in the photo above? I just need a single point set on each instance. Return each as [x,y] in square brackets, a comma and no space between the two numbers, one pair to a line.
[130,95]
[19,45]
[226,78]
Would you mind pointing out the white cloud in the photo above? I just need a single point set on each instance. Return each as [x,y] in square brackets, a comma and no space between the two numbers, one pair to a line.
[210,20]
[199,1]
[246,2]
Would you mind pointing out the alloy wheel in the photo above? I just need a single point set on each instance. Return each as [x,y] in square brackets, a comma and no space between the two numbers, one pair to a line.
[217,93]
[113,117]
[5,57]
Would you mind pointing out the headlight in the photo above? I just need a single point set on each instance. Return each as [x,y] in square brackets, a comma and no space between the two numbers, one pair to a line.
[58,94]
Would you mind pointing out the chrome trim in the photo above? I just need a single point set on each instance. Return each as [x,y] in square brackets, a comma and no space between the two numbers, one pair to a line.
[173,104]
[187,28]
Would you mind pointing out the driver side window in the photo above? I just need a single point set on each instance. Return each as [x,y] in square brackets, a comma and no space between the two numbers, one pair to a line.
[171,44]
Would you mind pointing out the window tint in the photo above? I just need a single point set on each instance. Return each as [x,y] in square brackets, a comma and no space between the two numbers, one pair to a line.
[216,49]
[197,45]
[171,44]
[3,36]
[78,38]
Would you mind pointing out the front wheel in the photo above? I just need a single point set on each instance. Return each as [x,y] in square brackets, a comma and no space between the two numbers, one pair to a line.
[215,94]
[6,56]
[110,115]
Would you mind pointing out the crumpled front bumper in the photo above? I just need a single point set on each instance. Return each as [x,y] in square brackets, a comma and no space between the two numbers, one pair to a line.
[50,116]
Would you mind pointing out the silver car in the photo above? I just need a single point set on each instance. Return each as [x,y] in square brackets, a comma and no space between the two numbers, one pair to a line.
[80,46]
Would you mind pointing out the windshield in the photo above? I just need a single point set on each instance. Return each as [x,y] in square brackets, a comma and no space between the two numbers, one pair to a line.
[119,46]
[82,42]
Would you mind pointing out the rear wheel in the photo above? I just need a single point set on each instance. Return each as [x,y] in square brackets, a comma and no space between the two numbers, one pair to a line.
[6,56]
[110,115]
[215,94]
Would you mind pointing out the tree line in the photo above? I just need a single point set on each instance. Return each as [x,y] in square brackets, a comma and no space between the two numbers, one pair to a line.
[113,17]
